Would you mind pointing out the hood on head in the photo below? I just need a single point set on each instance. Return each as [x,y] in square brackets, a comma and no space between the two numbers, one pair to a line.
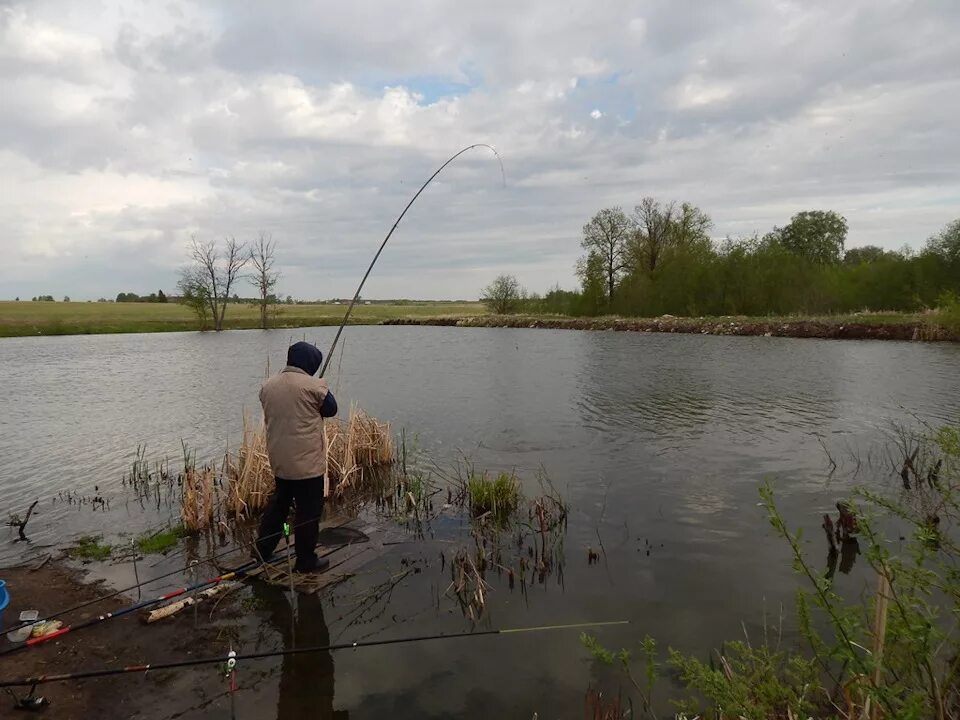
[305,356]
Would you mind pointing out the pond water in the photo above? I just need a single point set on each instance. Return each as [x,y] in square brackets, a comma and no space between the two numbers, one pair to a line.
[658,443]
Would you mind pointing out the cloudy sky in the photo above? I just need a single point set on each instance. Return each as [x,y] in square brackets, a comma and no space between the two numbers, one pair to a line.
[127,126]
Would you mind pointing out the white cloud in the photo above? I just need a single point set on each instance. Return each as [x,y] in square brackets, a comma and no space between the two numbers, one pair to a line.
[129,125]
[695,92]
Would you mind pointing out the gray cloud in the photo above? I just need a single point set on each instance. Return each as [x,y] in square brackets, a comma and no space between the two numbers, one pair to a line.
[131,125]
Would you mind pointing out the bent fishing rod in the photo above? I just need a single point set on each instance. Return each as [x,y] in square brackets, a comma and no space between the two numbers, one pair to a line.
[143,668]
[356,295]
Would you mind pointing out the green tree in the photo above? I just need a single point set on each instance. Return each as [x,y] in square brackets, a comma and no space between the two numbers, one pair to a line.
[193,294]
[865,254]
[946,243]
[817,235]
[606,236]
[690,229]
[503,295]
[161,298]
[590,270]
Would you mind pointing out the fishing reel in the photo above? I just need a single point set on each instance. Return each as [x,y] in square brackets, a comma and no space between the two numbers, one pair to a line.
[30,703]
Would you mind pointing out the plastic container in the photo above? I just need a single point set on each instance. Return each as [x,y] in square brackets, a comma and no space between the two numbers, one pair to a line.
[4,601]
[23,629]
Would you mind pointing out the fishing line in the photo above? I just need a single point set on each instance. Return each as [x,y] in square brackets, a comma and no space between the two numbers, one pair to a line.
[376,257]
[108,672]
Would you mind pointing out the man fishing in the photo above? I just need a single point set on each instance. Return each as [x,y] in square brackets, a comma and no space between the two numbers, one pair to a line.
[294,406]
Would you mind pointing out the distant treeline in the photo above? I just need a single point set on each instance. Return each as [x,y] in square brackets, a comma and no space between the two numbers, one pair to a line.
[157,297]
[661,260]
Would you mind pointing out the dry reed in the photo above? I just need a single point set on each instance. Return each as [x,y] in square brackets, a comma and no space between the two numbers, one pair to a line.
[199,499]
[355,449]
[251,479]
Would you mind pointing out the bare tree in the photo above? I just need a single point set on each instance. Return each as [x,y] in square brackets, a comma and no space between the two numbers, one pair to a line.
[264,278]
[210,277]
[654,231]
[660,227]
[606,237]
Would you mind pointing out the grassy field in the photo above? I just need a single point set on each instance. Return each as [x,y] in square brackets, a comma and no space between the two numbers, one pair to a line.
[79,318]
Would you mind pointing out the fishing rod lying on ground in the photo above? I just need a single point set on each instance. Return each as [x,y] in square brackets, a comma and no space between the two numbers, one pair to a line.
[108,672]
[356,295]
[234,574]
[115,593]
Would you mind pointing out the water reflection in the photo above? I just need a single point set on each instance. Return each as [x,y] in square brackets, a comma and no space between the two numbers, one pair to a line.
[683,387]
[306,687]
[849,550]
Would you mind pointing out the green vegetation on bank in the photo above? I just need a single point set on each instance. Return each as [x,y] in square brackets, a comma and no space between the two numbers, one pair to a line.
[661,259]
[89,548]
[891,650]
[160,541]
[79,318]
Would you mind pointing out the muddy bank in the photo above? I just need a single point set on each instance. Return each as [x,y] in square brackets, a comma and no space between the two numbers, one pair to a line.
[119,642]
[855,330]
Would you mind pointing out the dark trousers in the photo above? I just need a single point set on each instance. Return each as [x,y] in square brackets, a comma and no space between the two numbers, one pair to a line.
[307,497]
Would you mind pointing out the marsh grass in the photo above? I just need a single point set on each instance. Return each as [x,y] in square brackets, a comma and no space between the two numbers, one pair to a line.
[160,541]
[499,498]
[89,548]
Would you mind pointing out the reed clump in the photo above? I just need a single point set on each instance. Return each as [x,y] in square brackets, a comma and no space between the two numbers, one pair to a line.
[358,450]
[251,479]
[199,499]
[355,448]
[499,497]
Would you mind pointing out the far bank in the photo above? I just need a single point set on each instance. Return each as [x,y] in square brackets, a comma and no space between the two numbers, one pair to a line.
[20,319]
[889,326]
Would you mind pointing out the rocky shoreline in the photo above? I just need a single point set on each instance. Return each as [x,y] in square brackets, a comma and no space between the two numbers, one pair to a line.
[910,331]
